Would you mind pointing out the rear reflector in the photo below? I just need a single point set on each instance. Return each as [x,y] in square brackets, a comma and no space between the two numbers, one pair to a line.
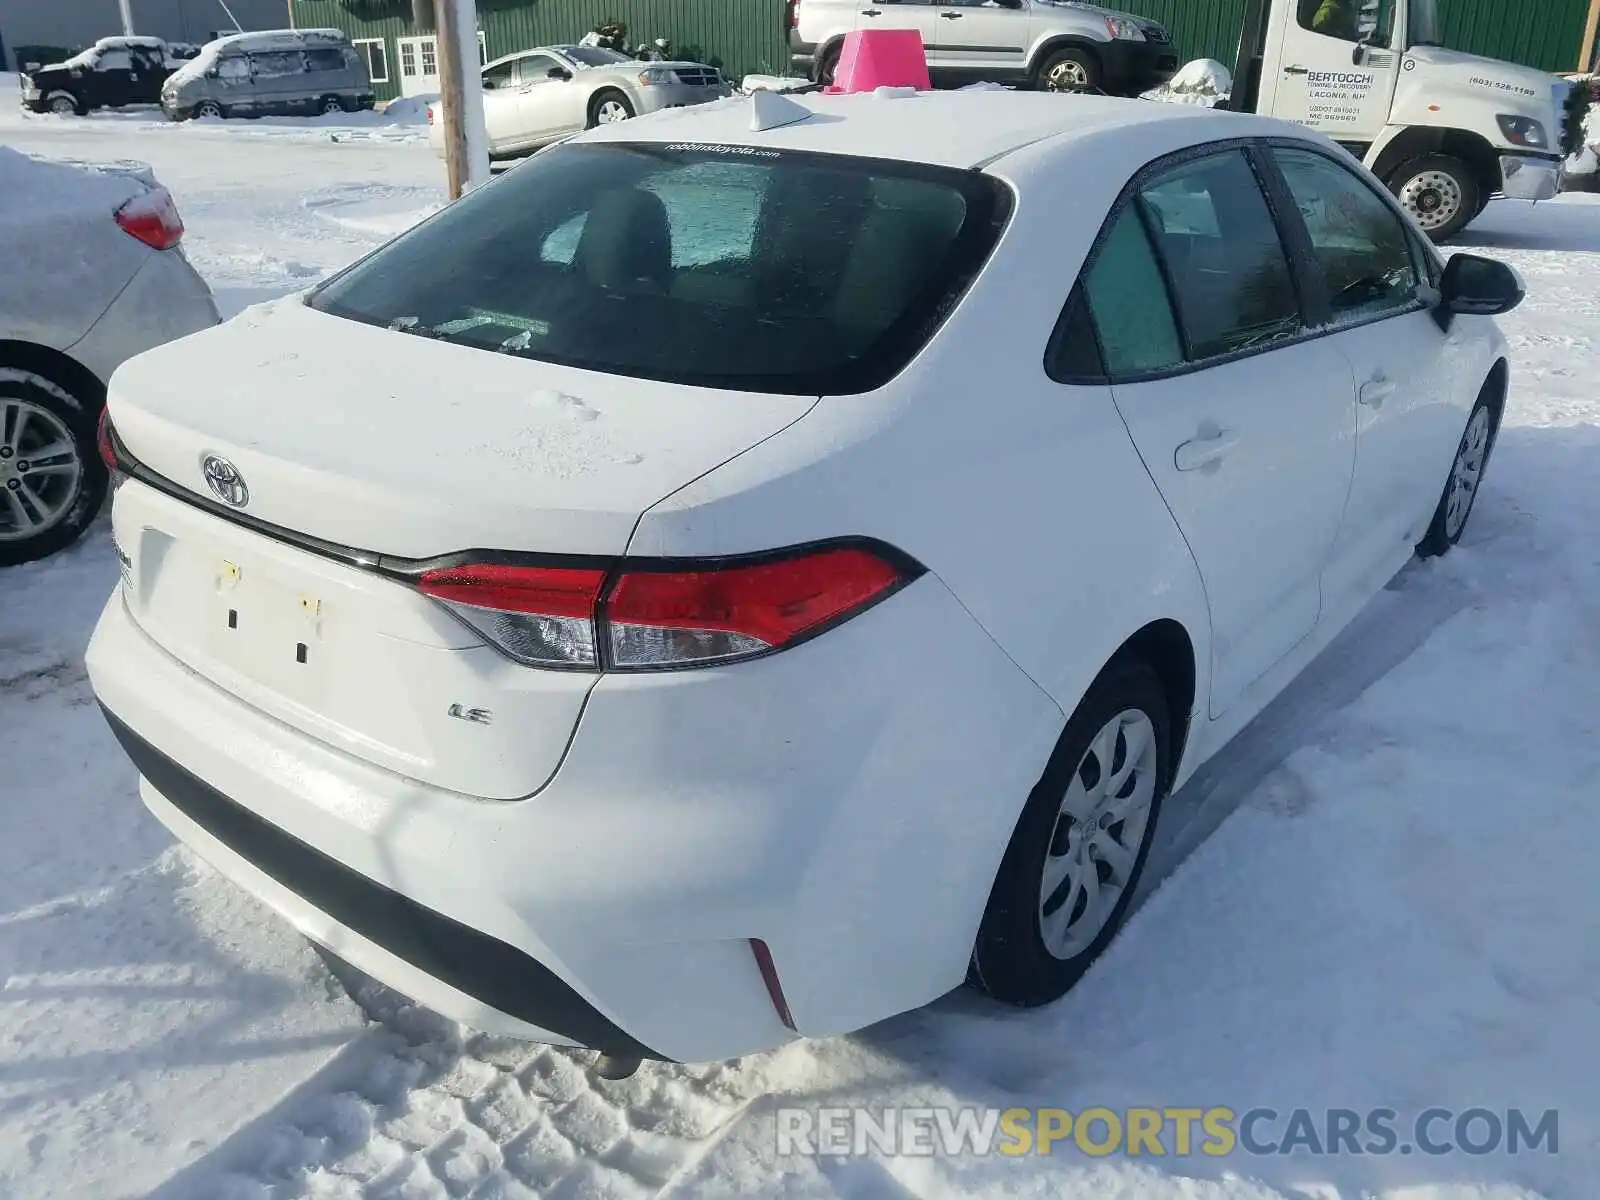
[102,437]
[662,615]
[769,976]
[152,217]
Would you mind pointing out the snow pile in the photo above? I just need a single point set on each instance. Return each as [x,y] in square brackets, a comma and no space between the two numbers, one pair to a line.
[409,110]
[35,186]
[772,83]
[1204,81]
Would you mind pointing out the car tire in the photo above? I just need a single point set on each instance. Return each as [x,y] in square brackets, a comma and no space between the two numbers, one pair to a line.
[329,105]
[208,108]
[827,64]
[1037,940]
[61,494]
[1069,70]
[608,107]
[1465,480]
[64,104]
[1441,193]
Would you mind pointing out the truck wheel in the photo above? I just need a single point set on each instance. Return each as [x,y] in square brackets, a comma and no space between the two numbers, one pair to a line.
[1069,70]
[1441,193]
[826,66]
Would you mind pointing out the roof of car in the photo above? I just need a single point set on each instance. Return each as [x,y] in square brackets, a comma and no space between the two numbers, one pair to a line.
[963,128]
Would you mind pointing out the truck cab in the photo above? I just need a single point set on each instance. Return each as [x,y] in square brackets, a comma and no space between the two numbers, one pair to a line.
[113,72]
[1445,131]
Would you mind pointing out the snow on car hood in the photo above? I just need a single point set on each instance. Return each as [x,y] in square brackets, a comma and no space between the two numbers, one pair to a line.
[403,445]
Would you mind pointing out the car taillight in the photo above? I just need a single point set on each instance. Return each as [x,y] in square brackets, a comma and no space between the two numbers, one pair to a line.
[542,616]
[152,217]
[430,114]
[102,437]
[660,615]
[794,14]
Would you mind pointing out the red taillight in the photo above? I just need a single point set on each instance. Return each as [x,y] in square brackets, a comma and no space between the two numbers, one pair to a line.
[794,14]
[543,616]
[430,114]
[769,976]
[152,217]
[658,618]
[102,437]
[655,616]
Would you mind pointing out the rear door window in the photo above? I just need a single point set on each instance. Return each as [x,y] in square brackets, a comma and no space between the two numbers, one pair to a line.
[276,64]
[733,267]
[325,60]
[1223,255]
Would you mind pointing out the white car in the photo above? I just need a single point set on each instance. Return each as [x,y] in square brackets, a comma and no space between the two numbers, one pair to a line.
[735,578]
[94,274]
[535,97]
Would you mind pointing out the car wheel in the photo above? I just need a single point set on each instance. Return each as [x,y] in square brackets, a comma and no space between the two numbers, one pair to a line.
[1441,194]
[826,66]
[65,106]
[1070,70]
[52,481]
[1069,873]
[609,107]
[208,108]
[330,104]
[1461,489]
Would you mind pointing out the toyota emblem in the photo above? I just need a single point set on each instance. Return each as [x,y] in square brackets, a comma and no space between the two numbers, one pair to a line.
[224,480]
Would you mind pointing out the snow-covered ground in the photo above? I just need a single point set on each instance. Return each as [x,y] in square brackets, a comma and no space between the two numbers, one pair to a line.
[1381,895]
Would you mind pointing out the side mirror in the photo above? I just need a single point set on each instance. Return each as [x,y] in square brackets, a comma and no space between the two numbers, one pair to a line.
[558,73]
[1359,54]
[1477,287]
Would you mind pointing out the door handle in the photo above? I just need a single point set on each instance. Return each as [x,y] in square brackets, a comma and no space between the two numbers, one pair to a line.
[871,12]
[950,16]
[1202,452]
[1297,70]
[1375,391]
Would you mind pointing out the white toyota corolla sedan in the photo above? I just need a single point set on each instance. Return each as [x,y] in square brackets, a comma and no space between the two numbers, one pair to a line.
[751,569]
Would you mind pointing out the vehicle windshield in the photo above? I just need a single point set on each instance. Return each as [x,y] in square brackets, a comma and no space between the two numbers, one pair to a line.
[594,56]
[717,266]
[1423,23]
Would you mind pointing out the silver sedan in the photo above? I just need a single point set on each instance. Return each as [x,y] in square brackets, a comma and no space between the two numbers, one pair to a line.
[535,97]
[94,275]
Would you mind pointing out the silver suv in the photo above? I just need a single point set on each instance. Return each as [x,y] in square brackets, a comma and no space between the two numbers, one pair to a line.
[1052,45]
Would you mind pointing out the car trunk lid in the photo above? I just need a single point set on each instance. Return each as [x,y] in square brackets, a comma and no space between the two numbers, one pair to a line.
[354,454]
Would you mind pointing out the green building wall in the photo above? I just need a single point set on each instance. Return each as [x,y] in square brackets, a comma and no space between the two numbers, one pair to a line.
[748,36]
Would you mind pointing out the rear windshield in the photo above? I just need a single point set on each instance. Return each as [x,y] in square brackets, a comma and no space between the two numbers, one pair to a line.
[733,267]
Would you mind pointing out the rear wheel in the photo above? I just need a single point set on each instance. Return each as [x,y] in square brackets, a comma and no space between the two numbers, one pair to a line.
[1441,193]
[609,107]
[52,481]
[1069,873]
[1069,70]
[827,65]
[208,108]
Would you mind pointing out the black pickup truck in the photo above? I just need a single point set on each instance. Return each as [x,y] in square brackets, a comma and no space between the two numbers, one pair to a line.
[111,73]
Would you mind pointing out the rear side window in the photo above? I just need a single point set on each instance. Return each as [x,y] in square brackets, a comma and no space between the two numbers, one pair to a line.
[325,60]
[755,270]
[275,64]
[1365,257]
[1128,302]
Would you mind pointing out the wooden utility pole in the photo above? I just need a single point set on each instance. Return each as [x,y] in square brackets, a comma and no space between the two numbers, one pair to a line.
[1586,60]
[461,94]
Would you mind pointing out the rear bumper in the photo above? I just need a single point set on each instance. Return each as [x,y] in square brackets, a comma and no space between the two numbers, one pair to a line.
[851,817]
[1529,177]
[677,95]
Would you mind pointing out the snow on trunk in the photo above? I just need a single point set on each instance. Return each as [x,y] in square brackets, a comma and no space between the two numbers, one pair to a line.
[475,170]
